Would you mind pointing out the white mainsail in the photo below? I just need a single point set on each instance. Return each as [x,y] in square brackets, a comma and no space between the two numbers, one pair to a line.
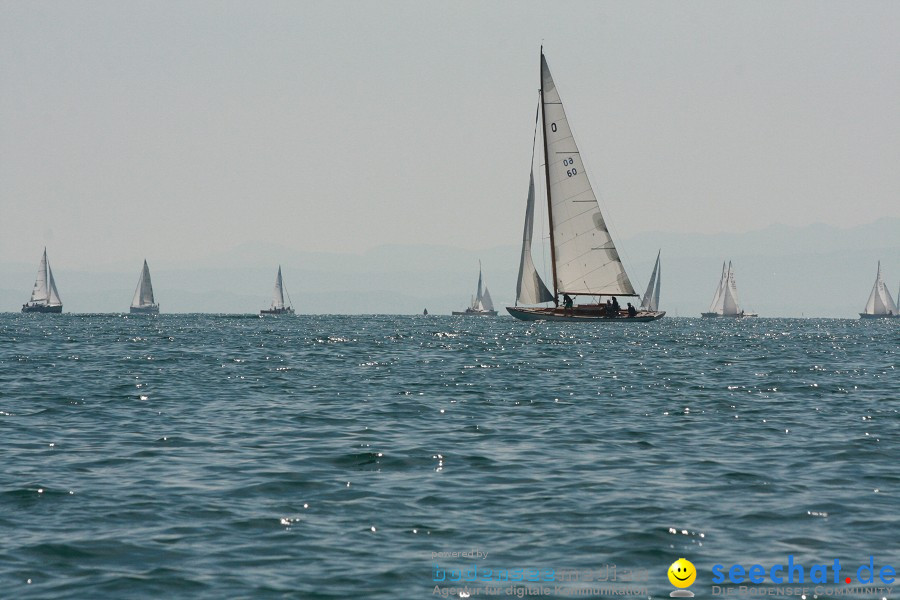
[586,260]
[530,288]
[880,301]
[716,305]
[650,301]
[143,294]
[40,294]
[730,304]
[278,295]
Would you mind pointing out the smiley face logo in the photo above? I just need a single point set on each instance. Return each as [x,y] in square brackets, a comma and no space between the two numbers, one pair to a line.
[682,573]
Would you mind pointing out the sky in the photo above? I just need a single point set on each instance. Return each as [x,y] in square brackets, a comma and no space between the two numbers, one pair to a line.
[175,131]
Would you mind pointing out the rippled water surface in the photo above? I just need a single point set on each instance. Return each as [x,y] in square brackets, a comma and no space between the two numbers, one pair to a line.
[330,457]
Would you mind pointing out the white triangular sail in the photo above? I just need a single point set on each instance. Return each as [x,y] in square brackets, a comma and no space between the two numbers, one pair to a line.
[730,303]
[585,257]
[716,305]
[278,294]
[40,293]
[54,293]
[143,293]
[880,301]
[486,301]
[530,288]
[650,301]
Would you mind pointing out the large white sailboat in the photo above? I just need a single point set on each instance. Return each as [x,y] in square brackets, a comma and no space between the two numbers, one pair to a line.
[143,302]
[44,296]
[482,305]
[279,307]
[880,304]
[725,300]
[584,258]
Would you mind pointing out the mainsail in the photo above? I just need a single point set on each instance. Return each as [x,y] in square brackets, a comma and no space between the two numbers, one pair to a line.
[585,259]
[40,294]
[278,295]
[716,305]
[650,301]
[880,301]
[143,294]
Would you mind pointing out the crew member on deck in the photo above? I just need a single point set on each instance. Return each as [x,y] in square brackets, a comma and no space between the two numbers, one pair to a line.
[632,311]
[567,304]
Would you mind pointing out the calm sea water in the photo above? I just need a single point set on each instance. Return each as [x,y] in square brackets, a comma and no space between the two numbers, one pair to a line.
[330,457]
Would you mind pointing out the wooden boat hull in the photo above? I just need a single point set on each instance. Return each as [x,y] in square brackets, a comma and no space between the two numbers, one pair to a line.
[871,316]
[144,310]
[474,313]
[580,313]
[276,311]
[708,315]
[40,308]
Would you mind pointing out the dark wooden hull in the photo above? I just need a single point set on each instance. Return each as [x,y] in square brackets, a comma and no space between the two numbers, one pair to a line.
[581,314]
[870,316]
[38,308]
[709,315]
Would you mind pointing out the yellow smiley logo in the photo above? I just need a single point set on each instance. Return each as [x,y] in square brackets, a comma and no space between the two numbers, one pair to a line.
[682,573]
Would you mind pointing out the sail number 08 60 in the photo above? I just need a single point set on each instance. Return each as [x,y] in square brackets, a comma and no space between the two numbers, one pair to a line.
[573,170]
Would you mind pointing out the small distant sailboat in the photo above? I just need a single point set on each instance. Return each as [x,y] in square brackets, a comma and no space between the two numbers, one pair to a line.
[143,302]
[44,296]
[650,301]
[583,256]
[278,306]
[482,305]
[725,300]
[880,304]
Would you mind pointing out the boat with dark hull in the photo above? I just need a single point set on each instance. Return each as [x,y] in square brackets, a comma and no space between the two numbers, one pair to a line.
[482,305]
[44,296]
[143,302]
[880,304]
[278,307]
[583,256]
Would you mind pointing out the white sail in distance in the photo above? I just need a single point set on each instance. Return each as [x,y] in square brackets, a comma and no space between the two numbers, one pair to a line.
[880,301]
[530,288]
[40,293]
[730,304]
[716,305]
[53,300]
[585,258]
[278,293]
[650,301]
[143,294]
[486,301]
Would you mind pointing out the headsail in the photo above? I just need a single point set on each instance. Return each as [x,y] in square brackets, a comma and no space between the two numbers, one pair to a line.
[530,288]
[650,301]
[585,258]
[54,293]
[486,301]
[143,294]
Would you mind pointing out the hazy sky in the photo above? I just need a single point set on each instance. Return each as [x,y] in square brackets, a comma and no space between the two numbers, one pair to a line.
[174,130]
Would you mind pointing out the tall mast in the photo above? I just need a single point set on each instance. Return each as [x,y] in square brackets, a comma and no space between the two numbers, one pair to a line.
[547,177]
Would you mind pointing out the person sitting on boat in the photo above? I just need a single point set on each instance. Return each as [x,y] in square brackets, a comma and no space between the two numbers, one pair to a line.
[632,311]
[609,308]
[615,307]
[567,304]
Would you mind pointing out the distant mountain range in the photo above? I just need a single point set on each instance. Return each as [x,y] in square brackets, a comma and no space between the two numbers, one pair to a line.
[814,271]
